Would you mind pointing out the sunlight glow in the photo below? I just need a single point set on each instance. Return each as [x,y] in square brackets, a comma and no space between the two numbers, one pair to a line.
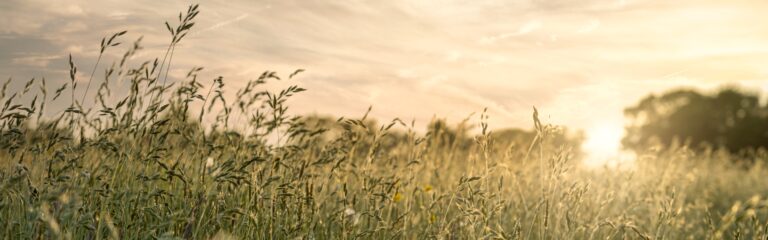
[603,145]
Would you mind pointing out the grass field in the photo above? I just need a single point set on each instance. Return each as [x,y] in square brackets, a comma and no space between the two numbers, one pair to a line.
[139,164]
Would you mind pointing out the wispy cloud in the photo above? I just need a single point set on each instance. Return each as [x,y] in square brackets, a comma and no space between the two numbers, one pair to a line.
[575,60]
[223,23]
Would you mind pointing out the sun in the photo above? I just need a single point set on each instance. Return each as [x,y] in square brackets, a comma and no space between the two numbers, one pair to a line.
[603,144]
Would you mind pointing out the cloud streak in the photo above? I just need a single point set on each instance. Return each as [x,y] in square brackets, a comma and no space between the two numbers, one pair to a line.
[577,61]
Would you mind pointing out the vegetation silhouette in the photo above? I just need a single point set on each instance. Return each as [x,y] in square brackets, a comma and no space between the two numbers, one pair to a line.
[730,118]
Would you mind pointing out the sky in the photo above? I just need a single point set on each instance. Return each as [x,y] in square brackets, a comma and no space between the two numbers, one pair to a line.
[579,62]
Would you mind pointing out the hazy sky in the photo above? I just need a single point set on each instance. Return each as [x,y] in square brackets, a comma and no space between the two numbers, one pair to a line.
[579,61]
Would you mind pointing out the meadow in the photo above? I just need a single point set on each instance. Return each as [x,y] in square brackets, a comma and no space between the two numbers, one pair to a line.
[161,159]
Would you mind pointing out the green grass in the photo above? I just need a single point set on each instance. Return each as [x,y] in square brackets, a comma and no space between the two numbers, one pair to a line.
[141,165]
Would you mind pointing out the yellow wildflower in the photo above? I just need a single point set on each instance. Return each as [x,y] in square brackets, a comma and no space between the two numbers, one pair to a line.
[398,197]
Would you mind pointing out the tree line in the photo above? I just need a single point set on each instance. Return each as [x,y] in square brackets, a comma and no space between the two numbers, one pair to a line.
[729,118]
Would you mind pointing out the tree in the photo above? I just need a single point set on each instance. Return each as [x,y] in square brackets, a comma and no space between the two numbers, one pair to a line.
[730,118]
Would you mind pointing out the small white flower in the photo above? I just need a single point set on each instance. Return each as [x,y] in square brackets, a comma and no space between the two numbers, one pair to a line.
[349,212]
[351,216]
[209,162]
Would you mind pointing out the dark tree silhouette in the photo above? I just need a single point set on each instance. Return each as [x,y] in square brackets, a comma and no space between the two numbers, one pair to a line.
[732,119]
